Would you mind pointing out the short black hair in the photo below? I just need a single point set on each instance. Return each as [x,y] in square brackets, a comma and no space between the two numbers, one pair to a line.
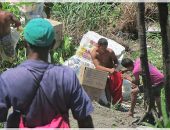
[102,41]
[37,48]
[126,62]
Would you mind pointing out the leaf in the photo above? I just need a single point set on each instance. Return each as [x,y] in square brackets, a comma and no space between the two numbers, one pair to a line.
[61,60]
[67,43]
[159,124]
[148,125]
[163,108]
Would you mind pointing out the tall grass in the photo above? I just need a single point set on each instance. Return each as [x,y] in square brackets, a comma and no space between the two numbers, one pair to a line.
[78,18]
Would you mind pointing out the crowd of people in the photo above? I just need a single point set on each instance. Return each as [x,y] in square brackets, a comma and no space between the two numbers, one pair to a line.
[41,93]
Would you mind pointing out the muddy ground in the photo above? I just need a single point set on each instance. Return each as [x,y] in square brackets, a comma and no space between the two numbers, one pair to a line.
[104,117]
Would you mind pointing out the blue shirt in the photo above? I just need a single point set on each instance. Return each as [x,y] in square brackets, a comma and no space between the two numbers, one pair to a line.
[18,88]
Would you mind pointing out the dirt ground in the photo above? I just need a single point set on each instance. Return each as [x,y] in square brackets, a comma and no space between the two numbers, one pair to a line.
[104,117]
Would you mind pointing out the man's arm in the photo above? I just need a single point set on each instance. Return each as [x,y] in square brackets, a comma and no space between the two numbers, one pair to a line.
[97,63]
[3,104]
[86,122]
[15,21]
[79,103]
[114,58]
[135,81]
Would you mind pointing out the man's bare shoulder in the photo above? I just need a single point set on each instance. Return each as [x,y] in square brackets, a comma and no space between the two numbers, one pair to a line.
[110,50]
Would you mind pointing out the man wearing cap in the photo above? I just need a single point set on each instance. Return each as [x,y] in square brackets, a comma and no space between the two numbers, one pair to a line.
[39,91]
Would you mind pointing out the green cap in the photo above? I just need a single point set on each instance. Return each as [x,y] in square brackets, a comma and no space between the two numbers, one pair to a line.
[39,32]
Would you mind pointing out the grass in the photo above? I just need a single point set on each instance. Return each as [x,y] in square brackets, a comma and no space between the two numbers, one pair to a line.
[1,125]
[78,18]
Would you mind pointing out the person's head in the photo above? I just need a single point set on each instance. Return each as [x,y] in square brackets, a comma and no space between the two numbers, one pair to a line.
[39,37]
[102,44]
[127,63]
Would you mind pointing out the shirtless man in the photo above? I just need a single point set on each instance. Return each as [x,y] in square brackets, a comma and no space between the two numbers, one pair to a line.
[6,40]
[106,60]
[103,57]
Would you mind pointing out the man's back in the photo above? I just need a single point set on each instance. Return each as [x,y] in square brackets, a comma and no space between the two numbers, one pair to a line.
[156,76]
[58,85]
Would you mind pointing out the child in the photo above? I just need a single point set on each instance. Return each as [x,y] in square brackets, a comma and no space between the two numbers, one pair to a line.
[157,81]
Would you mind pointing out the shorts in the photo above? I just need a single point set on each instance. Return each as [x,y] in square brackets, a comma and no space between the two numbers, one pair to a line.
[155,89]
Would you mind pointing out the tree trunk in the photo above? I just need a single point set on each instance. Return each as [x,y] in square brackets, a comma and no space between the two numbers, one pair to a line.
[143,56]
[165,32]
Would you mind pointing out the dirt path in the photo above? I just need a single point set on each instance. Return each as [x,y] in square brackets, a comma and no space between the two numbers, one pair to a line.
[107,118]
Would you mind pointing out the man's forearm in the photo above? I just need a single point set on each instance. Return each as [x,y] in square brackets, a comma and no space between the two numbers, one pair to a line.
[87,122]
[103,68]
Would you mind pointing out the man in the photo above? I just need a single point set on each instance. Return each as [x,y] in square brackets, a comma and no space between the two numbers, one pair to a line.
[157,81]
[38,12]
[39,90]
[106,60]
[48,8]
[8,39]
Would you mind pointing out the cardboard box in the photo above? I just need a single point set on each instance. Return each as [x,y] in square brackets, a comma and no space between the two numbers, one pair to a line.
[93,93]
[58,32]
[92,77]
[93,81]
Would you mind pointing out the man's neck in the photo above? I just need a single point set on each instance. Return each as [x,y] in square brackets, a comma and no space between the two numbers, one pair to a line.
[36,56]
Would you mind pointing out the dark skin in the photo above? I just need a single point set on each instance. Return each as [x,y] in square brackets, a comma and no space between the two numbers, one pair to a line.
[48,7]
[42,54]
[134,91]
[6,19]
[104,58]
[87,122]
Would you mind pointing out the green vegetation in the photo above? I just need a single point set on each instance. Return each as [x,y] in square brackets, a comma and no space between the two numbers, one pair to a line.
[66,50]
[78,18]
[11,8]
